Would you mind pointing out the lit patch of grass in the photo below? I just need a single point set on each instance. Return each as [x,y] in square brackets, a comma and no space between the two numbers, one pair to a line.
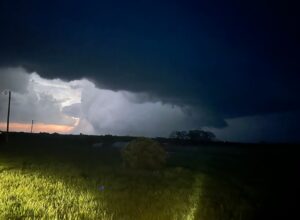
[195,199]
[52,190]
[26,194]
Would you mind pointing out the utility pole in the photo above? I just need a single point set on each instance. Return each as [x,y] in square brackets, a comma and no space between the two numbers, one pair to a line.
[8,114]
[31,126]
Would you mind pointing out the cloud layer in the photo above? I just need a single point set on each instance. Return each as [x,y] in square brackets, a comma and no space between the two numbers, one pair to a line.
[277,127]
[33,98]
[93,110]
[124,113]
[79,106]
[237,59]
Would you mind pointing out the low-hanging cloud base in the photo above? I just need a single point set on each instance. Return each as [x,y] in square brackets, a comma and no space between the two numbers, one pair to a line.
[78,106]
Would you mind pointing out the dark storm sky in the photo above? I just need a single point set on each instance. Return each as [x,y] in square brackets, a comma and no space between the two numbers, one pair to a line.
[237,58]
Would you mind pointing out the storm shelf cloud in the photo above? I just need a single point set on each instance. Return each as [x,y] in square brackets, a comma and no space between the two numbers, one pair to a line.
[88,109]
[151,67]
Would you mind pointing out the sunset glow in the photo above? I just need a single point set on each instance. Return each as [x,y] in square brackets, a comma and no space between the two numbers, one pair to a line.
[39,127]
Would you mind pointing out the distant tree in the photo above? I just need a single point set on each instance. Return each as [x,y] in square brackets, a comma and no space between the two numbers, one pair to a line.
[200,135]
[193,135]
[181,135]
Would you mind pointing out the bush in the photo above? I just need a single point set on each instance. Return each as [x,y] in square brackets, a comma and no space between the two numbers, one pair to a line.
[144,153]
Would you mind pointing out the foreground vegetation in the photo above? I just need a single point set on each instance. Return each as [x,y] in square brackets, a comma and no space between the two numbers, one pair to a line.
[53,190]
[58,182]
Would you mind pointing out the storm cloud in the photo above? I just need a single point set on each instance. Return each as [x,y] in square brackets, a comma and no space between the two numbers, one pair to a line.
[92,110]
[215,60]
[123,113]
[273,128]
[33,98]
[191,53]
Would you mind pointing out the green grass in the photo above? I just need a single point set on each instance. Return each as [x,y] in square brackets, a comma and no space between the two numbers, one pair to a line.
[41,193]
[84,183]
[50,189]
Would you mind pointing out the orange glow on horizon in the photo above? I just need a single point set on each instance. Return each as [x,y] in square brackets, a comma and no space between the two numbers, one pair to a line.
[39,127]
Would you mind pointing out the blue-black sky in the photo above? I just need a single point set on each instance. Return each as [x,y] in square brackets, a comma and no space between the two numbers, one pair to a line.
[235,58]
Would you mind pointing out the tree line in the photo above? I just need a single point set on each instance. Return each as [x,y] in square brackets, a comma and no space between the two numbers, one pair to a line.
[193,135]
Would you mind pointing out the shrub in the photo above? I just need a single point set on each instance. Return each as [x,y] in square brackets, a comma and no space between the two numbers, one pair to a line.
[144,153]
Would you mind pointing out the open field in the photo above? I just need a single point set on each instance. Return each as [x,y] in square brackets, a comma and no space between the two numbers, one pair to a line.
[47,177]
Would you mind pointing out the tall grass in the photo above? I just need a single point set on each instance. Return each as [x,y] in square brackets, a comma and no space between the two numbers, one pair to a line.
[84,183]
[54,190]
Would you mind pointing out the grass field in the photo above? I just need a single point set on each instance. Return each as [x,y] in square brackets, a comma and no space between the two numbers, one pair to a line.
[52,182]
